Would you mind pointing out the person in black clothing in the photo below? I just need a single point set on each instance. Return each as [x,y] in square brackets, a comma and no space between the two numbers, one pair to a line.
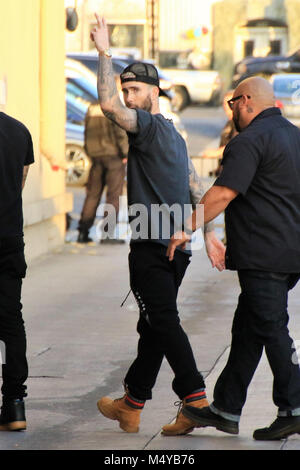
[158,175]
[16,154]
[259,187]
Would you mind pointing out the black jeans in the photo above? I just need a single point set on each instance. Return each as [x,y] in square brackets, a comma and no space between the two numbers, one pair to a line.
[155,282]
[12,331]
[260,321]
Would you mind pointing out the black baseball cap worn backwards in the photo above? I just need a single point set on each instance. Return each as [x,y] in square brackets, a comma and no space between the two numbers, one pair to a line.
[141,72]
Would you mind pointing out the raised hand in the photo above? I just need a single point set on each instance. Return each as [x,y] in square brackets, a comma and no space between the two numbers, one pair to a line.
[100,35]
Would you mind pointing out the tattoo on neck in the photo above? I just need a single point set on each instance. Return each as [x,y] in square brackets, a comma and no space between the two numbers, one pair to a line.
[249,109]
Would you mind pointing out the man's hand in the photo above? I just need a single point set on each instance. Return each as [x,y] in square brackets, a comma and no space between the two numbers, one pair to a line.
[215,251]
[178,239]
[100,35]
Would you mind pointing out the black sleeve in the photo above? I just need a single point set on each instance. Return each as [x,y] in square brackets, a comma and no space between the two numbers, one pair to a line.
[240,162]
[29,158]
[146,126]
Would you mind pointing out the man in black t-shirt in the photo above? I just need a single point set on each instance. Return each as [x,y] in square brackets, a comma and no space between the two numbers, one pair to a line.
[158,176]
[16,154]
[259,188]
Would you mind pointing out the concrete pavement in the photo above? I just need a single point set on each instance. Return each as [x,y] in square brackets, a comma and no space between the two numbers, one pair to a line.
[80,344]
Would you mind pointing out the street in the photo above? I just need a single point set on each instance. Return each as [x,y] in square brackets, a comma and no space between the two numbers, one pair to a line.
[227,67]
[203,125]
[81,343]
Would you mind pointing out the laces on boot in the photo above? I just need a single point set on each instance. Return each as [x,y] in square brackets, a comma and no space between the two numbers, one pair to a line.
[121,398]
[179,404]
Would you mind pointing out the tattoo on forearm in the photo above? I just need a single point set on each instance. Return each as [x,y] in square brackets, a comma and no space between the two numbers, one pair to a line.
[109,99]
[107,87]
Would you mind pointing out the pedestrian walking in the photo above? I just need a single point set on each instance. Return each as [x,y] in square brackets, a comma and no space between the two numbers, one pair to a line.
[158,175]
[107,146]
[259,188]
[16,154]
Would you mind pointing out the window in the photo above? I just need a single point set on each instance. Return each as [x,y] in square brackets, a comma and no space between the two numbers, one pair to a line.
[126,35]
[248,48]
[275,47]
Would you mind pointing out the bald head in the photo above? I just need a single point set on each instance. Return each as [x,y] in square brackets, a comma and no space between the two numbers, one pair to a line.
[260,90]
[255,94]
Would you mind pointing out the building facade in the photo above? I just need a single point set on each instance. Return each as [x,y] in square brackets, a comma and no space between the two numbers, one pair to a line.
[244,28]
[32,90]
[146,27]
[127,20]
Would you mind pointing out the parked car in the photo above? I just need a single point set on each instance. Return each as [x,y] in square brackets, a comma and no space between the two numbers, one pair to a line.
[90,60]
[266,66]
[191,86]
[287,93]
[78,163]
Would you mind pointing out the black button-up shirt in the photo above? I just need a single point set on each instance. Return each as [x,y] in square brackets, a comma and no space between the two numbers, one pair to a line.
[262,163]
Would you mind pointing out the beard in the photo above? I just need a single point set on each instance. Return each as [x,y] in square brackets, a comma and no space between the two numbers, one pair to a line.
[147,105]
[236,118]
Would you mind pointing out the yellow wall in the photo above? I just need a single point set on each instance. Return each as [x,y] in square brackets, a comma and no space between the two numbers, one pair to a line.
[32,37]
[19,65]
[52,57]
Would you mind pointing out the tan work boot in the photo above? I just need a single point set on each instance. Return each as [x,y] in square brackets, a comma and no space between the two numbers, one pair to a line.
[182,424]
[126,410]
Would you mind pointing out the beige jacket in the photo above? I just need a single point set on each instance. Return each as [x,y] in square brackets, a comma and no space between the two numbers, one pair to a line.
[102,137]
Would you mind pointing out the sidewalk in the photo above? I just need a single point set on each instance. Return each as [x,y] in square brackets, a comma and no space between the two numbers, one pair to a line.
[80,344]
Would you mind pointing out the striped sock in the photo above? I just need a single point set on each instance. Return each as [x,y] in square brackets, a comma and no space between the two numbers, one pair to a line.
[195,396]
[134,402]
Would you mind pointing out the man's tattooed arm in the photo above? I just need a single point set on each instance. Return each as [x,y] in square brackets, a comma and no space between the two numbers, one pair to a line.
[109,99]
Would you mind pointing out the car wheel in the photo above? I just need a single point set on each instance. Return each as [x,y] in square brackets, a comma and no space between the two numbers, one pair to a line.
[181,99]
[78,165]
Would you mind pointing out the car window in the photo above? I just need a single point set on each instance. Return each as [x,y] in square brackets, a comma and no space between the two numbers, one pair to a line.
[91,64]
[73,115]
[76,111]
[285,85]
[82,90]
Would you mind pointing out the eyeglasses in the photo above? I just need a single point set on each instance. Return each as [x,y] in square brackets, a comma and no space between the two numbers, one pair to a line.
[230,102]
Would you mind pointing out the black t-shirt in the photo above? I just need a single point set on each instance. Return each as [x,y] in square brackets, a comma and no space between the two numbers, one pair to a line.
[262,163]
[16,151]
[158,179]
